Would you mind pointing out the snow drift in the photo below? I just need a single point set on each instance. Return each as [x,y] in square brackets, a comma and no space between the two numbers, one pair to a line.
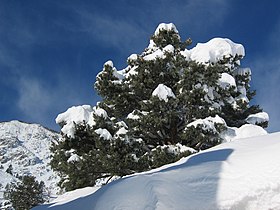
[242,174]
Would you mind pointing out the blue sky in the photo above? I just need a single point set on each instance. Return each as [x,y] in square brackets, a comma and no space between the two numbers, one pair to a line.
[51,51]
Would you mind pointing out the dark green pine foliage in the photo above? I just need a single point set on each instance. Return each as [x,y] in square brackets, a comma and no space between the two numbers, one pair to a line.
[236,117]
[97,157]
[9,170]
[25,194]
[161,107]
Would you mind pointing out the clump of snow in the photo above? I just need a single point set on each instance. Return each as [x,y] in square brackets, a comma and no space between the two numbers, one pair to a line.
[166,27]
[159,53]
[118,74]
[242,71]
[133,116]
[121,131]
[152,45]
[75,115]
[177,149]
[216,49]
[132,71]
[109,63]
[163,92]
[208,123]
[257,118]
[73,158]
[248,130]
[186,53]
[245,131]
[132,57]
[242,97]
[100,112]
[226,80]
[103,133]
[169,49]
[121,124]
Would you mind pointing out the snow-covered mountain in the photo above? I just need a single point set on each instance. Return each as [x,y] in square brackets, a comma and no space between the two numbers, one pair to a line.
[241,174]
[26,148]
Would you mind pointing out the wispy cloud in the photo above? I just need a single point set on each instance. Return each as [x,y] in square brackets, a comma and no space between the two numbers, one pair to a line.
[35,100]
[41,102]
[132,27]
[266,77]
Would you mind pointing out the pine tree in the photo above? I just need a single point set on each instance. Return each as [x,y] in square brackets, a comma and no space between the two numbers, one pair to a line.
[9,170]
[164,105]
[25,194]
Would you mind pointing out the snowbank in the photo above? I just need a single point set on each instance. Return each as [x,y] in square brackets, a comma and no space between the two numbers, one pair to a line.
[243,174]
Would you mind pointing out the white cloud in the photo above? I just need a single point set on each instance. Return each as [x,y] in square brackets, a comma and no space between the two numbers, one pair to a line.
[34,99]
[41,101]
[131,31]
[266,77]
[198,15]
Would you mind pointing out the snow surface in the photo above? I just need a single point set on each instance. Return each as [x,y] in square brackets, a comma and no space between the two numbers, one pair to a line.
[242,174]
[163,92]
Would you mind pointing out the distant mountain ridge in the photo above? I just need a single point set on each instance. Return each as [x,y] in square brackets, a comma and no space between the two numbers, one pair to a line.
[25,147]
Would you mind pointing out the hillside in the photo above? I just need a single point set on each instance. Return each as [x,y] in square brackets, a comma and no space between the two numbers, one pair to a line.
[242,174]
[26,148]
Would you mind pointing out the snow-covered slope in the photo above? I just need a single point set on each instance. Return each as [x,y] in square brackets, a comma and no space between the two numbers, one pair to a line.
[242,174]
[26,147]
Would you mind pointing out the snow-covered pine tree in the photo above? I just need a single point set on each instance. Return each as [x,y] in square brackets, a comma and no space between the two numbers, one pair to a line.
[26,193]
[93,147]
[167,103]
